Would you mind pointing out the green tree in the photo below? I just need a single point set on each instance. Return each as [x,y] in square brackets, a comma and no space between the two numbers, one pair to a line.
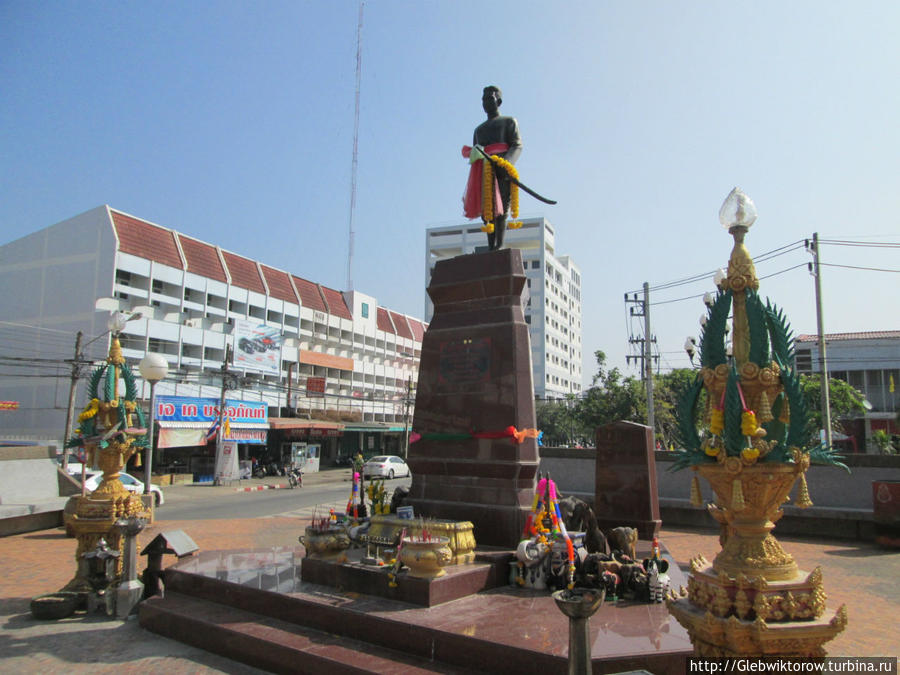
[668,390]
[845,401]
[559,421]
[611,397]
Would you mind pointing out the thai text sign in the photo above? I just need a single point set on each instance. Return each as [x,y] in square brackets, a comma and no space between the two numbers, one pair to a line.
[190,409]
[315,386]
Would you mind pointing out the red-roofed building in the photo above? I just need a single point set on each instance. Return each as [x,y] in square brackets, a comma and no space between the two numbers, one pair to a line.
[298,346]
[384,321]
[279,284]
[400,324]
[244,272]
[202,259]
[334,301]
[310,295]
[145,240]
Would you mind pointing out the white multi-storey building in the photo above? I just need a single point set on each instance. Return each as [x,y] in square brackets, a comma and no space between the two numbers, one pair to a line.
[190,296]
[553,308]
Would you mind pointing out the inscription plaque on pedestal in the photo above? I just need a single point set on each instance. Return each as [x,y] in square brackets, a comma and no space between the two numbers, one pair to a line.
[625,491]
[475,376]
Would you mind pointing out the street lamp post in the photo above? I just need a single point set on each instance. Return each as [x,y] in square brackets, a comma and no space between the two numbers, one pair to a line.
[154,368]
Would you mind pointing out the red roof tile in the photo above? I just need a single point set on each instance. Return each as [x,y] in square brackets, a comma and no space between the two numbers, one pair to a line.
[384,321]
[336,304]
[202,259]
[401,325]
[870,335]
[309,294]
[279,284]
[244,272]
[144,240]
[418,329]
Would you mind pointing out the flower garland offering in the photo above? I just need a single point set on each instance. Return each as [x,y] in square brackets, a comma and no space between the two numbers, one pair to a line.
[488,190]
[560,526]
[544,510]
[517,435]
[353,502]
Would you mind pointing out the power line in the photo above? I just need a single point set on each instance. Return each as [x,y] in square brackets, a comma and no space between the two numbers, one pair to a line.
[763,257]
[854,267]
[863,244]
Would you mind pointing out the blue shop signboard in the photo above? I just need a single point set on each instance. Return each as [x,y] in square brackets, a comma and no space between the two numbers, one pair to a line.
[190,409]
[187,420]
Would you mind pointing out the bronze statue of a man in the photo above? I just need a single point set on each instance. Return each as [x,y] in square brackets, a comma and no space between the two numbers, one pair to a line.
[499,135]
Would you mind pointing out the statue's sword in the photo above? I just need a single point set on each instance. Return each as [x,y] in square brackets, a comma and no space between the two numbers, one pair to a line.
[480,150]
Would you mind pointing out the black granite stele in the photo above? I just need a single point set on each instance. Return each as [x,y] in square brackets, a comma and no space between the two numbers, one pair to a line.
[475,376]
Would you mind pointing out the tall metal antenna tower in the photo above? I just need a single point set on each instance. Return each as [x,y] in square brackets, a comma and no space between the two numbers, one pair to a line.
[355,149]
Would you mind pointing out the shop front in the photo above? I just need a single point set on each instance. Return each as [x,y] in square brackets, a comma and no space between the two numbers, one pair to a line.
[373,438]
[309,444]
[186,422]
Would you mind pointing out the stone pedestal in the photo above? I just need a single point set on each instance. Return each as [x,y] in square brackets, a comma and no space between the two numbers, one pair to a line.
[625,491]
[475,376]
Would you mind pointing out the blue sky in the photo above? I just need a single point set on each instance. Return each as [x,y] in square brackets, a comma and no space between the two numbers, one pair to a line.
[233,122]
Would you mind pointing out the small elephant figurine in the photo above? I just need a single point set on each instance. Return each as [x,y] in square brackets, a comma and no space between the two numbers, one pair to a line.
[624,539]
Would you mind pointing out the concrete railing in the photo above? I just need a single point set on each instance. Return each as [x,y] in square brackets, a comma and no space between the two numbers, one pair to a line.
[33,490]
[842,502]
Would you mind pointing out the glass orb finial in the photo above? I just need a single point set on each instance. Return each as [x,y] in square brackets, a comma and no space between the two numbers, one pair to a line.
[737,210]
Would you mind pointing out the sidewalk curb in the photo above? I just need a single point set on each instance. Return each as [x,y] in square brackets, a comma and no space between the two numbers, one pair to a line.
[255,488]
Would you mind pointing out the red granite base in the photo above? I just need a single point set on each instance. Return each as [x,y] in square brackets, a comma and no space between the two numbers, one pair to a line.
[488,571]
[252,606]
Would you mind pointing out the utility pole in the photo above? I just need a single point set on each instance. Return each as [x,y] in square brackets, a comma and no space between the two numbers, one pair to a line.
[70,412]
[220,433]
[406,418]
[823,363]
[642,309]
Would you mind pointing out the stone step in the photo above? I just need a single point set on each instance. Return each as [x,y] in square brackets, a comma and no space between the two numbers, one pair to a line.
[274,645]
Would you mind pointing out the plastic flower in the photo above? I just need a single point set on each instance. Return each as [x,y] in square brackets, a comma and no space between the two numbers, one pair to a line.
[748,423]
[717,421]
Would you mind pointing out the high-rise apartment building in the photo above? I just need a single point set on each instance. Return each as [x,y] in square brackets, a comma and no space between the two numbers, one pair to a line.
[553,306]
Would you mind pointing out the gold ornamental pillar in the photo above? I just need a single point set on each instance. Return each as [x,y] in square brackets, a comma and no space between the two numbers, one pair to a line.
[752,600]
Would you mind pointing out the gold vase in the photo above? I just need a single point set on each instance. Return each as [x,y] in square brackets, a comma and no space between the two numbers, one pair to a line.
[425,559]
[748,504]
[326,544]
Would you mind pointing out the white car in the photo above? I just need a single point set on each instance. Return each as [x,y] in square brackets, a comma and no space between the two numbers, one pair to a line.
[131,484]
[386,466]
[75,465]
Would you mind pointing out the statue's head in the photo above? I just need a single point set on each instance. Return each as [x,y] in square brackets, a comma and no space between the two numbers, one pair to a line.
[491,100]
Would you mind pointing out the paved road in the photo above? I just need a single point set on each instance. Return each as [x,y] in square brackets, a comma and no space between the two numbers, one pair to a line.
[204,502]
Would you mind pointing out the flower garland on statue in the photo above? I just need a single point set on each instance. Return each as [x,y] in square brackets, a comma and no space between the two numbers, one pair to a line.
[487,194]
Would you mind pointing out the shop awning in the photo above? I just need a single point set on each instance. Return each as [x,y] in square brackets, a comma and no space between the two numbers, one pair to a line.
[372,427]
[177,434]
[300,423]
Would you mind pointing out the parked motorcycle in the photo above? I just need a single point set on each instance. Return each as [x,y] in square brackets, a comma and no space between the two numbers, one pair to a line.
[295,477]
[274,469]
[259,471]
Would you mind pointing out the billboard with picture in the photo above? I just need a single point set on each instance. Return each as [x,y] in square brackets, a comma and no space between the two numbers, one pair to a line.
[257,347]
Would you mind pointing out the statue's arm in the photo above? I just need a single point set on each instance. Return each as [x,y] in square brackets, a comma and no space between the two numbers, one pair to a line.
[514,140]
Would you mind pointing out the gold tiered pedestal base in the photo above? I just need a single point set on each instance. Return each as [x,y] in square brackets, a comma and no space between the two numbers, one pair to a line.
[752,600]
[95,518]
[715,637]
